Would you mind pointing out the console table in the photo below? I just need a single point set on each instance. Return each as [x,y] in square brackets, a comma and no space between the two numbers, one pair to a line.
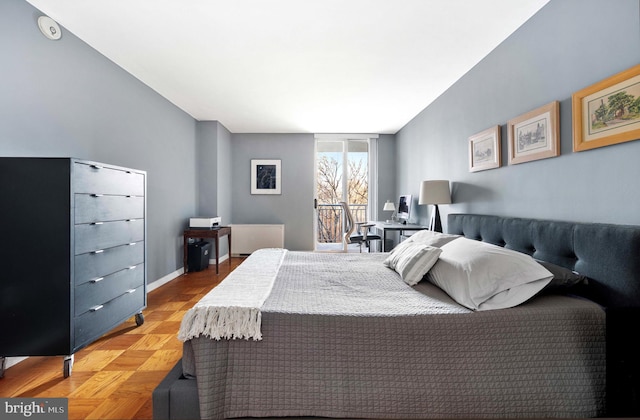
[214,233]
[394,226]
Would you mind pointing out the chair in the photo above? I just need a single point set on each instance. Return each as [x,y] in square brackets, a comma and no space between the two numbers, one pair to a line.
[363,235]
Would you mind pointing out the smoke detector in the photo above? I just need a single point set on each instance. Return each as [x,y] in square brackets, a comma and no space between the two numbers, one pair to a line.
[49,28]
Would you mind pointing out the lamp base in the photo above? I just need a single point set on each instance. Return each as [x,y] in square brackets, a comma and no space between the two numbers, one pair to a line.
[434,223]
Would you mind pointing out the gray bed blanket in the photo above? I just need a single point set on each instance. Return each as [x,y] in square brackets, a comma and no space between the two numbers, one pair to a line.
[343,336]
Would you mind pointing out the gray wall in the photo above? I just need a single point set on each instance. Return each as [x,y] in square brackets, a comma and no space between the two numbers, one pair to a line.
[568,45]
[225,185]
[294,207]
[386,173]
[213,151]
[207,164]
[63,98]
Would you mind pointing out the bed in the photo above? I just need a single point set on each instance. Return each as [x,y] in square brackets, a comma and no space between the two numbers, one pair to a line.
[341,335]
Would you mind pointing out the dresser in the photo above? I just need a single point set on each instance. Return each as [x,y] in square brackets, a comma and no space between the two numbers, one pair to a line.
[72,254]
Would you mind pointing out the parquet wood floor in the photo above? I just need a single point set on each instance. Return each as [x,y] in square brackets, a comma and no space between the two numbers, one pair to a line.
[113,378]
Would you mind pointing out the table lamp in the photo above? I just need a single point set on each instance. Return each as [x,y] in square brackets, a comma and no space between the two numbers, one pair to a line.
[389,206]
[435,192]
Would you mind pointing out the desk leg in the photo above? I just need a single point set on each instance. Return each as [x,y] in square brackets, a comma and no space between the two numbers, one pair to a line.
[217,252]
[384,240]
[229,239]
[184,258]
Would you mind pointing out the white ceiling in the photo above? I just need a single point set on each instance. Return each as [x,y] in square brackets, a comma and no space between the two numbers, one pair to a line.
[295,66]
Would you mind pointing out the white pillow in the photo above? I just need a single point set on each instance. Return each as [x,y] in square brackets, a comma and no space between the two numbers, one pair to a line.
[412,261]
[431,238]
[483,276]
[392,260]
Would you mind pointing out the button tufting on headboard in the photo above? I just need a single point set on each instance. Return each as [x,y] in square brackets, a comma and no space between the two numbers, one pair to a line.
[608,254]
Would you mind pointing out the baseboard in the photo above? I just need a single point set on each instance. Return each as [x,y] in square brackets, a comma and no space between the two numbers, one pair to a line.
[164,280]
[171,276]
[222,258]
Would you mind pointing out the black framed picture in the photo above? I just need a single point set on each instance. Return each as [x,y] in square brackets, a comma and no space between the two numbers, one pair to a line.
[266,177]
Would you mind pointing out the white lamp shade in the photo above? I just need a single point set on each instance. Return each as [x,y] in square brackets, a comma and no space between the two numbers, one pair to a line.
[435,192]
[389,206]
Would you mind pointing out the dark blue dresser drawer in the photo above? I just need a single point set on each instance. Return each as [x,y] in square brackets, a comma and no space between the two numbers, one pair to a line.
[98,179]
[99,236]
[103,289]
[91,208]
[92,265]
[92,324]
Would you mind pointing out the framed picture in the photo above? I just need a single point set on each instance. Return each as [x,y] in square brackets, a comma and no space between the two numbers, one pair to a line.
[266,177]
[535,135]
[484,150]
[607,112]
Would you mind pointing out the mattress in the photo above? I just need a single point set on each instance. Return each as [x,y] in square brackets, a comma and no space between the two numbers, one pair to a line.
[343,336]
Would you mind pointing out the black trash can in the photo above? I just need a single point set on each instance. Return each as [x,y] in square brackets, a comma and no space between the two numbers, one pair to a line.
[198,255]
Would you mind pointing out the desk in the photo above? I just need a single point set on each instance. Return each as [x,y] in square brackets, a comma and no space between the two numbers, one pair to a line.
[394,226]
[215,233]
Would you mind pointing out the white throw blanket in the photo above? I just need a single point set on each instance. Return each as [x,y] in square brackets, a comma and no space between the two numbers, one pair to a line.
[232,309]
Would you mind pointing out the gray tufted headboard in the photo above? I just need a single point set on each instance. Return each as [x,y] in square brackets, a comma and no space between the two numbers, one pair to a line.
[608,254]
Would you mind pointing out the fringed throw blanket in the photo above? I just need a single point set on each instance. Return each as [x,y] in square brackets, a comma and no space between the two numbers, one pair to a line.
[232,310]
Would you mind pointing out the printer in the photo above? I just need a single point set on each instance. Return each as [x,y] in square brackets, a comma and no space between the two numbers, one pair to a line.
[204,222]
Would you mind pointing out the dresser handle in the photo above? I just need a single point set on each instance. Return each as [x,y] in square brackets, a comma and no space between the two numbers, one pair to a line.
[132,267]
[99,251]
[97,195]
[96,280]
[97,223]
[132,243]
[131,220]
[131,291]
[96,308]
[96,166]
